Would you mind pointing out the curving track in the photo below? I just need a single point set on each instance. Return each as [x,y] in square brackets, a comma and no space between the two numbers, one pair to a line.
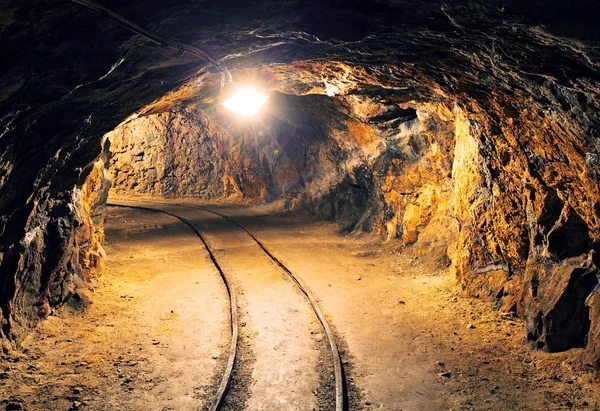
[336,365]
[226,378]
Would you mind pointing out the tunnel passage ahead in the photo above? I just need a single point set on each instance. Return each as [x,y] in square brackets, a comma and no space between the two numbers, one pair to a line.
[496,176]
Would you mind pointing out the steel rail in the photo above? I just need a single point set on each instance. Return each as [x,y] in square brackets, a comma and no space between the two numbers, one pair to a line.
[340,388]
[226,378]
[341,403]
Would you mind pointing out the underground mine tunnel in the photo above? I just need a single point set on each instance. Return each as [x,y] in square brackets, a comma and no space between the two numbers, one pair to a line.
[336,205]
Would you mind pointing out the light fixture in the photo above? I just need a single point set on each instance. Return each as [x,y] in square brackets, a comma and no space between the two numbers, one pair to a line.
[245,101]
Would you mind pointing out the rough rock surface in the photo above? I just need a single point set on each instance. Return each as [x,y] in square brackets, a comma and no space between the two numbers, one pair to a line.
[520,80]
[172,154]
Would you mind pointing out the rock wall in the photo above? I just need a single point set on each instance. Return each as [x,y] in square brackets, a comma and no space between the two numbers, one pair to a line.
[175,154]
[67,252]
[527,193]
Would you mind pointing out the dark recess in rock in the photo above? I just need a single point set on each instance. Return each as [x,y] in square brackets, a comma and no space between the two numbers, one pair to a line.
[567,325]
[570,238]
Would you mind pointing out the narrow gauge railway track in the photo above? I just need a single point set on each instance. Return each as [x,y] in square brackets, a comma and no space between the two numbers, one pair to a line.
[341,402]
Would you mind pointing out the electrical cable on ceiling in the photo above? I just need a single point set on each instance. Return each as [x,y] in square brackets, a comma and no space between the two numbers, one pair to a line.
[155,38]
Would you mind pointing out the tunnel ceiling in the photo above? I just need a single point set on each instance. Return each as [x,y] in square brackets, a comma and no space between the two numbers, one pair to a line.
[518,81]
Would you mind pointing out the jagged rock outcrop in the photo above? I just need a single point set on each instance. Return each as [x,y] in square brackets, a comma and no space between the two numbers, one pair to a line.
[528,235]
[57,261]
[518,178]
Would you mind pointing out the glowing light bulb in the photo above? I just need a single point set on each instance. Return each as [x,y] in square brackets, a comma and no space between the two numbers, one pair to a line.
[245,102]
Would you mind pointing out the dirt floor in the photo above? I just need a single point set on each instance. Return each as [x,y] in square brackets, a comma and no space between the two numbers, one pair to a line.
[149,341]
[156,335]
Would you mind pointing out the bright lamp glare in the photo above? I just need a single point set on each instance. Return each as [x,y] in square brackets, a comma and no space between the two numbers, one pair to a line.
[245,102]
